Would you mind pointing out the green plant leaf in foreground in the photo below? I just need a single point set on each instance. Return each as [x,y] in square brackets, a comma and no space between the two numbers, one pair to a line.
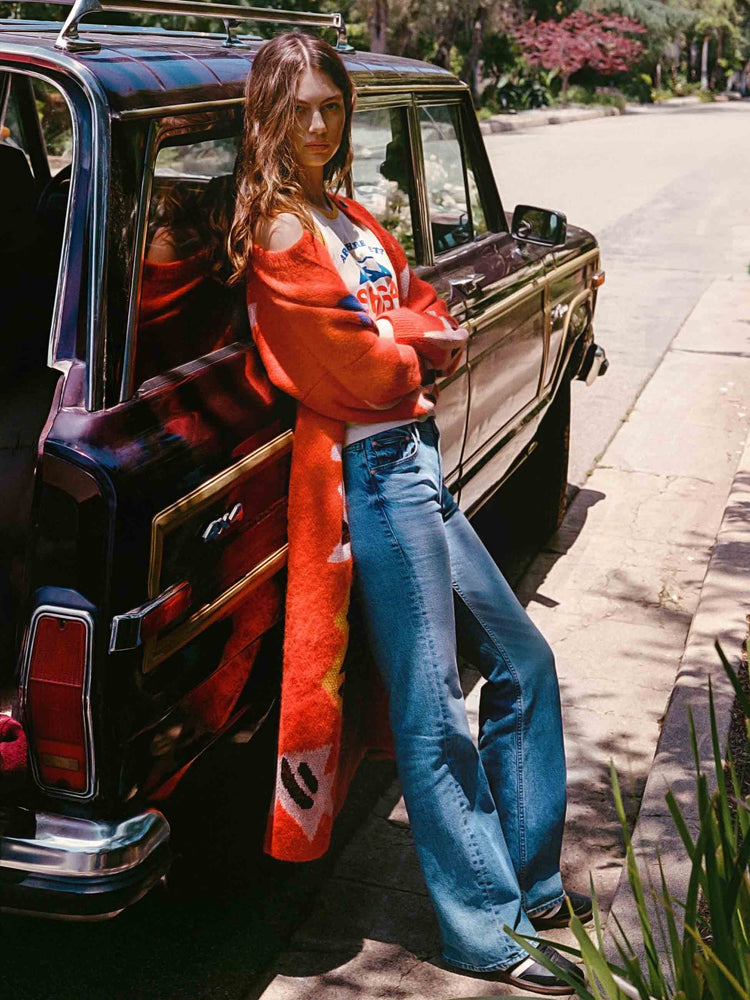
[679,963]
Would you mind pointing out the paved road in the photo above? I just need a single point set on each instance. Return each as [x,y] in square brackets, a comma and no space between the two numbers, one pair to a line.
[667,194]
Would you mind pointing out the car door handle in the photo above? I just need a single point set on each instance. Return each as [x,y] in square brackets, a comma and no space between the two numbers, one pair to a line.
[132,629]
[215,529]
[464,287]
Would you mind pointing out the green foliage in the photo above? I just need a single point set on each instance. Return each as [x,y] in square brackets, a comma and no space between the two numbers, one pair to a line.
[520,90]
[608,97]
[709,959]
[638,88]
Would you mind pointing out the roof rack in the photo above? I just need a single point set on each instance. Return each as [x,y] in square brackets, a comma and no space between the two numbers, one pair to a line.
[231,14]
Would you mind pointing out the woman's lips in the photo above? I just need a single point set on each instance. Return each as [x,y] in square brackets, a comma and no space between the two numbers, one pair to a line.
[316,145]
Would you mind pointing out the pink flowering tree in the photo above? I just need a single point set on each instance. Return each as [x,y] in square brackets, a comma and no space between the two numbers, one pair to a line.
[581,39]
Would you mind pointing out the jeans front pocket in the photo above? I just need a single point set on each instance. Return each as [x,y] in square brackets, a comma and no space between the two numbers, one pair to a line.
[392,447]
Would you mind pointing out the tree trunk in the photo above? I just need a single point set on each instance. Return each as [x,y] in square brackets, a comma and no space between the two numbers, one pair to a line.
[704,63]
[443,54]
[564,90]
[657,75]
[692,60]
[377,22]
[471,62]
[717,72]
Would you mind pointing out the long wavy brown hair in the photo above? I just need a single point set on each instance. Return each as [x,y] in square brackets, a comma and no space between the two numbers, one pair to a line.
[267,180]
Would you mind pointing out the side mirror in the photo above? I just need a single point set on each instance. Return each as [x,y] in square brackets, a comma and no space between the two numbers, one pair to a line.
[539,225]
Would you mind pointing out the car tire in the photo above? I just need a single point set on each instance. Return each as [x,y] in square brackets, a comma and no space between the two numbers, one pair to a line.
[542,480]
[531,505]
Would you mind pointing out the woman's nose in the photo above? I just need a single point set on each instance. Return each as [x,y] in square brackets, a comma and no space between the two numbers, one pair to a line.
[316,122]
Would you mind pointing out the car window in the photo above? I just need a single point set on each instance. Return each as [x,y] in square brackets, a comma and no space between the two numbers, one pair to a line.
[382,173]
[32,221]
[56,125]
[186,308]
[456,214]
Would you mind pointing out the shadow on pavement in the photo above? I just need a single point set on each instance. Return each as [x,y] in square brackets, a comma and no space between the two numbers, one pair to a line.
[229,910]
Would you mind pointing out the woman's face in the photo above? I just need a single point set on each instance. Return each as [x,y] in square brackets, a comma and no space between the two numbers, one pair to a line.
[321,117]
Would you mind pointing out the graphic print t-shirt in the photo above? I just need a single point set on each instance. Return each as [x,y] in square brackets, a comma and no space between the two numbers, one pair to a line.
[366,271]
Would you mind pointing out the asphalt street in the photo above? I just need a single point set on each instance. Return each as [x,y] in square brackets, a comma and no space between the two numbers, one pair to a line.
[665,192]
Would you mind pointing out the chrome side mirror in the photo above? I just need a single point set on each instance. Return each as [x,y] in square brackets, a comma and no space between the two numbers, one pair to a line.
[539,225]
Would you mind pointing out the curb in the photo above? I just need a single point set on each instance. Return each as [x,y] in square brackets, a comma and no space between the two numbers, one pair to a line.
[721,614]
[555,116]
[563,116]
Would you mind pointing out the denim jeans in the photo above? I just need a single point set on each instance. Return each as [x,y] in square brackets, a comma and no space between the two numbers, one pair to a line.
[487,821]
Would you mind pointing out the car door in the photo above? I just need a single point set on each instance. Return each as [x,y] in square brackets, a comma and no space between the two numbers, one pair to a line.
[386,171]
[495,284]
[179,485]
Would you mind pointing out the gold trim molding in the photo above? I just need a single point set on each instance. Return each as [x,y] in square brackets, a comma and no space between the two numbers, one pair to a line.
[204,495]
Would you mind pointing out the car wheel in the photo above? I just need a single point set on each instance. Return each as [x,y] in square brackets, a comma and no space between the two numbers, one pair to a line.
[542,480]
[531,505]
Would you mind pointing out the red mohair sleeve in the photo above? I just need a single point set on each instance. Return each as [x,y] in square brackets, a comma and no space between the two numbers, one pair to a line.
[317,342]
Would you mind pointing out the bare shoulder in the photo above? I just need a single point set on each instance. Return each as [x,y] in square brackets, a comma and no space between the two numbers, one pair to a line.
[278,233]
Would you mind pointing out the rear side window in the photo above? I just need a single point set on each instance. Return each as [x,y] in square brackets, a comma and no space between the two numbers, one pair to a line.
[186,308]
[383,176]
[35,187]
[456,213]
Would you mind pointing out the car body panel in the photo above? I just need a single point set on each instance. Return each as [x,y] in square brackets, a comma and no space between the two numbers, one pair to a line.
[138,484]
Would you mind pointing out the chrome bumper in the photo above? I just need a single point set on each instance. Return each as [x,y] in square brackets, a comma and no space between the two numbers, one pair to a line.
[80,868]
[594,364]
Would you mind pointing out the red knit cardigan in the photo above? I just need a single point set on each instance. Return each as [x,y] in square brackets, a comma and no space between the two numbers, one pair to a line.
[320,346]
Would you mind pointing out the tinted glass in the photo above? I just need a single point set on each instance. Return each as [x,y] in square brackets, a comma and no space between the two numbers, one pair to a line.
[32,223]
[383,178]
[456,214]
[186,308]
[56,125]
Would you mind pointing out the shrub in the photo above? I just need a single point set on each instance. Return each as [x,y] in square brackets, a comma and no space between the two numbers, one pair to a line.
[710,959]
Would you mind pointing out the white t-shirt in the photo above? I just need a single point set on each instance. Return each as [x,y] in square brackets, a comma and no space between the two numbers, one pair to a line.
[365,269]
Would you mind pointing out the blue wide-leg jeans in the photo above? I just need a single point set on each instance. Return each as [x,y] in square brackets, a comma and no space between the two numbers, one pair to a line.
[487,821]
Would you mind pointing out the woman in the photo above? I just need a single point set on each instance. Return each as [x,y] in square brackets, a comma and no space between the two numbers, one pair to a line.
[346,328]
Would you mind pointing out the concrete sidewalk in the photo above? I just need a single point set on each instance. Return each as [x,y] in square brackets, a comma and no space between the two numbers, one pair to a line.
[615,593]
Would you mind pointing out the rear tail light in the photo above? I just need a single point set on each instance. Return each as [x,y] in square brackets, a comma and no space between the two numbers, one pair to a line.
[55,696]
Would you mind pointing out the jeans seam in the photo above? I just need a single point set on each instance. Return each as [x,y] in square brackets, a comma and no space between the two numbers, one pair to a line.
[480,868]
[519,727]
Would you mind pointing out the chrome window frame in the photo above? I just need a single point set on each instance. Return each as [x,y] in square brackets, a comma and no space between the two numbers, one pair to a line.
[29,60]
[155,142]
[388,100]
[456,100]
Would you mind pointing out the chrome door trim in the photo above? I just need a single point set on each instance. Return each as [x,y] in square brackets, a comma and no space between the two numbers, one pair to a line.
[563,270]
[68,614]
[496,312]
[136,277]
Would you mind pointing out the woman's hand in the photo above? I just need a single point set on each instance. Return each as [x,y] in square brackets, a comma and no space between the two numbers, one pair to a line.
[446,346]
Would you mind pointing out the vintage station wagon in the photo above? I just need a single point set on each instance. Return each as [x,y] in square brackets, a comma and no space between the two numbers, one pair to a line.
[145,455]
